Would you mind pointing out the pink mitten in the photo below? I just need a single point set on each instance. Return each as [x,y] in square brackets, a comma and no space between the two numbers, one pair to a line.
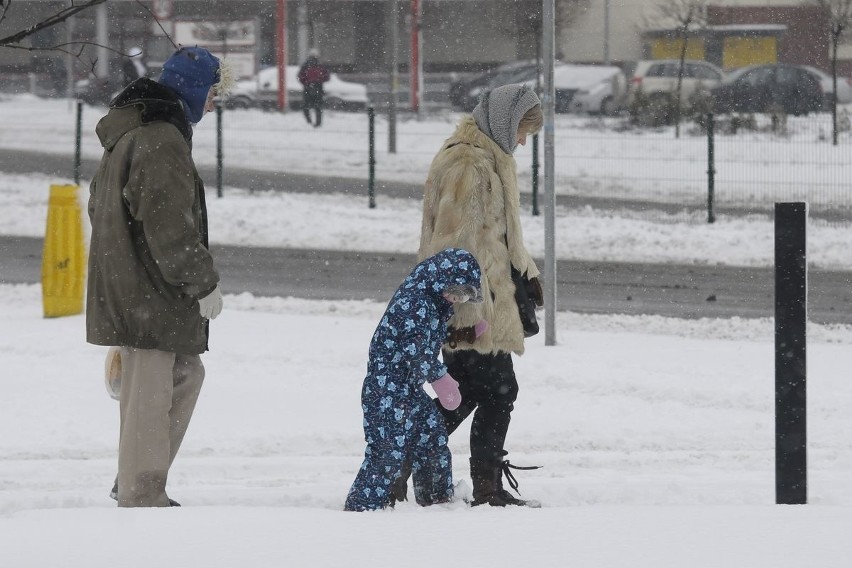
[448,393]
[480,327]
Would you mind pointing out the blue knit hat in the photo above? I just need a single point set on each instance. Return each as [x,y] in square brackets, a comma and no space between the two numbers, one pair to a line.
[191,72]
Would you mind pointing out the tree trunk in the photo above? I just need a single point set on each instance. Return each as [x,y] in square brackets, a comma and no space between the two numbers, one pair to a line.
[834,41]
[684,39]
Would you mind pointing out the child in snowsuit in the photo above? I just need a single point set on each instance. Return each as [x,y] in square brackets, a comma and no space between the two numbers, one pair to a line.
[402,425]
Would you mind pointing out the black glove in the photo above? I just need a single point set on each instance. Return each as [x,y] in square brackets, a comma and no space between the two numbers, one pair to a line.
[460,335]
[535,290]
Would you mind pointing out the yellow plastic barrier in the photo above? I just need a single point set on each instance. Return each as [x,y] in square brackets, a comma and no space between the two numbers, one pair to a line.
[63,262]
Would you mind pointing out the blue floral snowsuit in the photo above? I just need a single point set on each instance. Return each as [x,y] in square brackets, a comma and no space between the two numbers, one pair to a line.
[401,422]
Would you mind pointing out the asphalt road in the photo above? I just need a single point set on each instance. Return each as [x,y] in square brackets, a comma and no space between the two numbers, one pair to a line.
[587,287]
[583,287]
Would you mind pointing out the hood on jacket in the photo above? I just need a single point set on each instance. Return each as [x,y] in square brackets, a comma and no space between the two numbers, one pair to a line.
[450,267]
[191,72]
[500,111]
[142,102]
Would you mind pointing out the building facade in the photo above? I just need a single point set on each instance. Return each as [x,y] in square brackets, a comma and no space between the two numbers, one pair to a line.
[354,36]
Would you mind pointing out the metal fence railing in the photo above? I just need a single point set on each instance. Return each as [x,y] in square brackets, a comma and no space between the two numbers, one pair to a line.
[603,163]
[750,162]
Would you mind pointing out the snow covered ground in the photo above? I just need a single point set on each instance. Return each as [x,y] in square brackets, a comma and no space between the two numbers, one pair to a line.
[343,222]
[656,435]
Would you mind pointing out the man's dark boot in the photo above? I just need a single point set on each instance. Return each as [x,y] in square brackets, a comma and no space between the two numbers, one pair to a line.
[488,484]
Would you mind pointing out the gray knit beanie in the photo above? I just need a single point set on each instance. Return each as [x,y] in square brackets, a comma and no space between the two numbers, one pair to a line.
[500,111]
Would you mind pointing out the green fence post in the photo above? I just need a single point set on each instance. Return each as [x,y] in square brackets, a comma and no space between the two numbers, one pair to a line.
[219,153]
[371,182]
[78,141]
[535,175]
[711,169]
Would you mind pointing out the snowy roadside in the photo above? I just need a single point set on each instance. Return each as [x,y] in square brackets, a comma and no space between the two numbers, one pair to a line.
[342,222]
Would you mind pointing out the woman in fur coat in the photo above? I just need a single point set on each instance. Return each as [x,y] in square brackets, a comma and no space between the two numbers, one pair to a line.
[471,201]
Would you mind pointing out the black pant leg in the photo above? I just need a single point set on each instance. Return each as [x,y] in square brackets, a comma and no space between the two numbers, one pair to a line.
[491,419]
[487,383]
[457,367]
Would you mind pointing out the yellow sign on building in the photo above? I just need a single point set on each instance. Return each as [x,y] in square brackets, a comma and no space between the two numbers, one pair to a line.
[742,51]
[670,48]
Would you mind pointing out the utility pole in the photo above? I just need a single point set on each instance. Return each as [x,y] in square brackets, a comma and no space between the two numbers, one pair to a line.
[302,39]
[69,57]
[102,34]
[548,97]
[281,53]
[607,59]
[416,65]
[393,24]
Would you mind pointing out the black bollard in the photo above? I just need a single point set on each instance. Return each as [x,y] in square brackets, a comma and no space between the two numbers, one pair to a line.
[791,314]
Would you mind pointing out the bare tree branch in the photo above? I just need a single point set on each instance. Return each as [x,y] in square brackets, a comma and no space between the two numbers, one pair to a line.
[683,13]
[839,14]
[686,16]
[65,48]
[153,17]
[5,4]
[57,18]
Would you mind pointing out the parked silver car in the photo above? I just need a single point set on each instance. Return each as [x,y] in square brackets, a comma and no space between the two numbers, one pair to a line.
[579,88]
[596,89]
[658,79]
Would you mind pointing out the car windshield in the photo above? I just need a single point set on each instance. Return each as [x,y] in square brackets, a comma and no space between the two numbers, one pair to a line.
[736,74]
[820,74]
[517,76]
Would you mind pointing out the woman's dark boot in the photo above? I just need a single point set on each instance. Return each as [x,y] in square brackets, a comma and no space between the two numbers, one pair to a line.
[488,484]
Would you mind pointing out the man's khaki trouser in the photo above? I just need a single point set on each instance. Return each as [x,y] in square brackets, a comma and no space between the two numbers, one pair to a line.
[158,394]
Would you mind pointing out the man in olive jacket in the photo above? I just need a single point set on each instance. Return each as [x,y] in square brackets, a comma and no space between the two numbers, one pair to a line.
[152,285]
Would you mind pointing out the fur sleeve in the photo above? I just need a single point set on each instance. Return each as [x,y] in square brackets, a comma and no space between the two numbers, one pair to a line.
[453,211]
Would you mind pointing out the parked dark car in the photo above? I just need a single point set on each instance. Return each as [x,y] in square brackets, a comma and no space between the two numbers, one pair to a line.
[762,88]
[595,89]
[464,93]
